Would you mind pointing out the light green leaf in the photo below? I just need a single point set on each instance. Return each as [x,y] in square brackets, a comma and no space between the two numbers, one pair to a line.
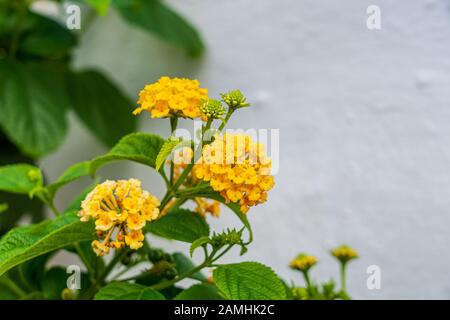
[158,18]
[248,281]
[203,291]
[198,243]
[166,149]
[20,178]
[32,106]
[180,224]
[105,111]
[24,243]
[127,291]
[139,147]
[183,264]
[100,5]
[72,173]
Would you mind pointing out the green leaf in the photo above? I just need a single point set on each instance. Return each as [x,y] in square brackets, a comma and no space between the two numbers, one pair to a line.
[166,149]
[72,173]
[139,147]
[102,107]
[18,205]
[183,264]
[248,281]
[24,243]
[44,37]
[156,17]
[203,291]
[53,283]
[32,106]
[198,243]
[211,194]
[75,205]
[180,224]
[20,178]
[127,291]
[100,5]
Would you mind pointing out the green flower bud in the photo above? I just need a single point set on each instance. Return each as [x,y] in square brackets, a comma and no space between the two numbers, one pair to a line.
[235,99]
[171,273]
[168,257]
[212,108]
[68,294]
[155,255]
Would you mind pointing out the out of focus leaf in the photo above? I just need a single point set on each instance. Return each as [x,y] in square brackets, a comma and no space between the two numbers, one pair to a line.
[158,18]
[101,106]
[32,106]
[44,37]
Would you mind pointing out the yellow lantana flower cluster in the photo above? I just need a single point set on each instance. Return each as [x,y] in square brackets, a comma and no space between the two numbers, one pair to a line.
[181,159]
[120,209]
[238,168]
[303,262]
[172,96]
[344,253]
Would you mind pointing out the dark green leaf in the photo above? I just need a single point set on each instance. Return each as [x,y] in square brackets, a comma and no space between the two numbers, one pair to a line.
[32,106]
[24,243]
[248,281]
[158,18]
[53,283]
[44,37]
[127,291]
[180,224]
[101,106]
[203,291]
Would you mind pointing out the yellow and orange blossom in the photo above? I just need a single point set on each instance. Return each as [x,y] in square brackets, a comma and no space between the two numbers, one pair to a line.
[238,168]
[172,96]
[120,209]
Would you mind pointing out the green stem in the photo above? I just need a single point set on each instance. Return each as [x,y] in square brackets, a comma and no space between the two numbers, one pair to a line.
[101,279]
[173,127]
[307,279]
[168,283]
[227,117]
[5,280]
[343,276]
[52,207]
[90,268]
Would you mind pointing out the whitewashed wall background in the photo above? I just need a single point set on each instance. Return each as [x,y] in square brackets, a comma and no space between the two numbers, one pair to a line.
[363,117]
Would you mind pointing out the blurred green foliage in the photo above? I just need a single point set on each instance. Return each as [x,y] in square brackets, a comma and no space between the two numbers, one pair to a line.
[38,86]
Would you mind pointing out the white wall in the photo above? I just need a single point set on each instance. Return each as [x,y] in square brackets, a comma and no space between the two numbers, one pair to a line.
[363,118]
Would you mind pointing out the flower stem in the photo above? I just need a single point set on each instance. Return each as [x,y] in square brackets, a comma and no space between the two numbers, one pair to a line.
[343,276]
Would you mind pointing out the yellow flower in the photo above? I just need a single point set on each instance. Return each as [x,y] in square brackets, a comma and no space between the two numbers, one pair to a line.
[204,207]
[121,209]
[99,248]
[236,167]
[344,253]
[182,158]
[134,239]
[135,221]
[172,96]
[303,262]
